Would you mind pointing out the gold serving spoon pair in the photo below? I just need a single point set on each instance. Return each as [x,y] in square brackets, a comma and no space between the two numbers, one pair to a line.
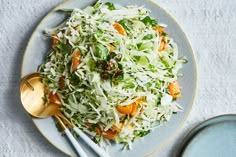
[32,92]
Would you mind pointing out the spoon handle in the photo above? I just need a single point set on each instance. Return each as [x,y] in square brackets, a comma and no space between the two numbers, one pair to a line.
[71,138]
[75,143]
[101,152]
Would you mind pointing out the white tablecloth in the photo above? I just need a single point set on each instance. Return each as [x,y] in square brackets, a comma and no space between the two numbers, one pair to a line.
[209,24]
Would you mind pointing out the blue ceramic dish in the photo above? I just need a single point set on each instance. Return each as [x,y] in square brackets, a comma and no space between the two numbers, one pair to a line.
[201,126]
[216,140]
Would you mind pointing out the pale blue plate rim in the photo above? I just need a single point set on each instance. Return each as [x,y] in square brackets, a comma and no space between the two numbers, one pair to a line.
[200,127]
[207,129]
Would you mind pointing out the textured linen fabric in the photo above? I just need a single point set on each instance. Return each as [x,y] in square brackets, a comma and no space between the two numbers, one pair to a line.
[210,26]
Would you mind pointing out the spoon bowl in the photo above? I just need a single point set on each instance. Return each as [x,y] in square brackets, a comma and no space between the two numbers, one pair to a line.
[34,95]
[32,92]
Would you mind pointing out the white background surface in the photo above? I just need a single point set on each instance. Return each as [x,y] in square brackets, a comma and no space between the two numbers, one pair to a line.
[210,26]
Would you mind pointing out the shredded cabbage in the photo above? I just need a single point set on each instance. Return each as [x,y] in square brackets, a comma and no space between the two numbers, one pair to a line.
[113,69]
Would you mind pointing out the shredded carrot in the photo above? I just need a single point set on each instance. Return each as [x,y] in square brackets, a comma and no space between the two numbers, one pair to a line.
[109,134]
[134,109]
[120,29]
[131,108]
[174,89]
[54,98]
[162,45]
[98,130]
[125,109]
[159,29]
[54,41]
[118,127]
[76,59]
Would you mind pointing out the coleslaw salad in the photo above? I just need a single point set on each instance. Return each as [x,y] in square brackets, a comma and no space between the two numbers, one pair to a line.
[114,69]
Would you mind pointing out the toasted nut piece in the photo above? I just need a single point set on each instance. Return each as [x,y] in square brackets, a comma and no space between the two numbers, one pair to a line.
[62,82]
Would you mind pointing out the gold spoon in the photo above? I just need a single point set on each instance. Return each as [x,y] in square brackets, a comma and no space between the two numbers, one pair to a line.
[32,92]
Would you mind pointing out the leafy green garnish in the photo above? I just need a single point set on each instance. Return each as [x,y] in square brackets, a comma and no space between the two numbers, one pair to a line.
[125,23]
[139,45]
[45,99]
[101,52]
[110,6]
[91,64]
[148,85]
[97,4]
[148,37]
[136,58]
[149,22]
[143,60]
[99,33]
[143,46]
[142,133]
[64,48]
[130,86]
[164,34]
[58,126]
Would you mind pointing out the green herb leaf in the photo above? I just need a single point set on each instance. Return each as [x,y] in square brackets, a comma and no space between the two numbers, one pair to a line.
[101,52]
[143,46]
[164,34]
[64,48]
[130,86]
[139,45]
[91,64]
[137,58]
[58,126]
[149,22]
[99,33]
[148,37]
[143,60]
[110,6]
[97,4]
[148,85]
[143,133]
[125,23]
